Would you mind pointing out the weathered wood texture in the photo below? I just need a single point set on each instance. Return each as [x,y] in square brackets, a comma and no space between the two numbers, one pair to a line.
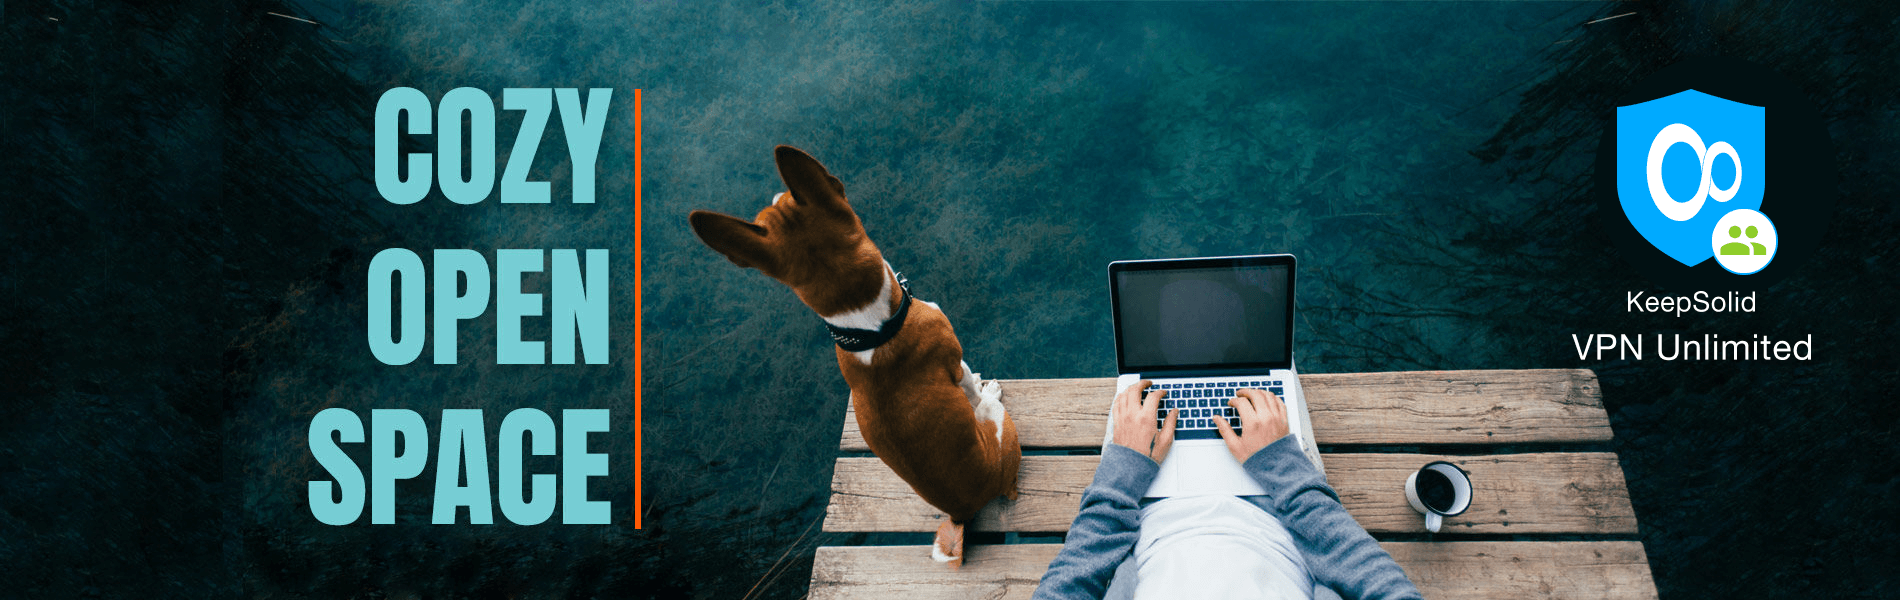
[1470,570]
[1415,408]
[1533,493]
[1545,492]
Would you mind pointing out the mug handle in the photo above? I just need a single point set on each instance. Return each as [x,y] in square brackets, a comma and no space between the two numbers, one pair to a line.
[1432,521]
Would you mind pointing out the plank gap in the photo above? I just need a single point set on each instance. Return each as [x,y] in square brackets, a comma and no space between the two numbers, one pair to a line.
[1539,493]
[1480,407]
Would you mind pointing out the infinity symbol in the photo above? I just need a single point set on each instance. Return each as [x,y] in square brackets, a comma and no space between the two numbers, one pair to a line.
[1681,134]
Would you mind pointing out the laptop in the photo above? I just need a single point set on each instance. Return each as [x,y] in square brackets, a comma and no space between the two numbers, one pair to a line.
[1203,328]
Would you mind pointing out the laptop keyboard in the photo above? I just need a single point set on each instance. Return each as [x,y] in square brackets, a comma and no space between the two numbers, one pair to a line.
[1201,401]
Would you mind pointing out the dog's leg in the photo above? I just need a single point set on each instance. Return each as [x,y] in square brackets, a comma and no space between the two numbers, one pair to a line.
[991,409]
[986,398]
[972,384]
[949,545]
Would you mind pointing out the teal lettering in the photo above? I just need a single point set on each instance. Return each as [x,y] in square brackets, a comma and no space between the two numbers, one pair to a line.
[385,465]
[538,104]
[583,135]
[406,267]
[349,479]
[514,505]
[511,305]
[389,109]
[452,307]
[481,145]
[462,437]
[580,305]
[577,465]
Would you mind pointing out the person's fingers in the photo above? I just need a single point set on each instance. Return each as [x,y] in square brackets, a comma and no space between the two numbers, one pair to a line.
[1131,397]
[1275,422]
[1245,405]
[1256,396]
[1151,402]
[1165,440]
[1243,410]
[1227,435]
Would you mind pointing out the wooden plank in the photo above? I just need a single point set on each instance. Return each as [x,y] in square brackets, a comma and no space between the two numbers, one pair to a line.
[1401,408]
[1545,492]
[1524,569]
[1475,570]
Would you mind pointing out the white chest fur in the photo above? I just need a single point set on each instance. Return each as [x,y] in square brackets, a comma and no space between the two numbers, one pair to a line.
[869,316]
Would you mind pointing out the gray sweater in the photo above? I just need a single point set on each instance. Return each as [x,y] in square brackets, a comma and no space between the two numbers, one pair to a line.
[1339,554]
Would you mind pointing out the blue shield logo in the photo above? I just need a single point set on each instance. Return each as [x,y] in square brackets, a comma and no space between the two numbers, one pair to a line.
[1682,162]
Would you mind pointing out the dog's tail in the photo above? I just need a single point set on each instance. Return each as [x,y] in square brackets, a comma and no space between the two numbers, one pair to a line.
[949,545]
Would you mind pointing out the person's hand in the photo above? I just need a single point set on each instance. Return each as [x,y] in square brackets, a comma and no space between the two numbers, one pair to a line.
[1134,418]
[1264,416]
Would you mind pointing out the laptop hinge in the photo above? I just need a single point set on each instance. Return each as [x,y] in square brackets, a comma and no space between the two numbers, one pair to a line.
[1184,373]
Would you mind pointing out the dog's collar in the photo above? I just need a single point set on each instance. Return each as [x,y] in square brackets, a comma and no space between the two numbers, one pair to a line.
[859,340]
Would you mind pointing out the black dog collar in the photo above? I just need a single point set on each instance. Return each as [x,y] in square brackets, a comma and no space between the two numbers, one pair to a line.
[859,340]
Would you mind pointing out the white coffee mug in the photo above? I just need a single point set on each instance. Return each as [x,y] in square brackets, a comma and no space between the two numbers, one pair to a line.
[1460,498]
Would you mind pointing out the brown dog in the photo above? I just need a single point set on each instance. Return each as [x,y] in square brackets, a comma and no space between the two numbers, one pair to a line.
[932,420]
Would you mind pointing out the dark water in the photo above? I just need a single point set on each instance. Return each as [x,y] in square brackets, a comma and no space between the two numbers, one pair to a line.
[194,217]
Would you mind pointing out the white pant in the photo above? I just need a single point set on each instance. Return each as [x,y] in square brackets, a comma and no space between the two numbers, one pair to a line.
[1213,547]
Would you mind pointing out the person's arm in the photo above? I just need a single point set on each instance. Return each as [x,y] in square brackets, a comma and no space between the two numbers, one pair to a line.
[1104,533]
[1339,553]
[1106,529]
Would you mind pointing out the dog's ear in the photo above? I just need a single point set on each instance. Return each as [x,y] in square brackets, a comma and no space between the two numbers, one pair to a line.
[809,182]
[742,242]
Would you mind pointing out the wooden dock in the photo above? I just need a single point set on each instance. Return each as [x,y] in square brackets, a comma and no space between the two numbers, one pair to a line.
[1546,520]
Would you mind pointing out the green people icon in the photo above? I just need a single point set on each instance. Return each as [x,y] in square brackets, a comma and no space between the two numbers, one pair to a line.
[1743,241]
[1737,248]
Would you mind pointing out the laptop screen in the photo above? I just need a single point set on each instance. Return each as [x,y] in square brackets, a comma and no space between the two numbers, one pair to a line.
[1203,313]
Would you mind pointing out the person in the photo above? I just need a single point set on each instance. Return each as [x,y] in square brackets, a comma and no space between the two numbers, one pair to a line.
[1737,248]
[1294,542]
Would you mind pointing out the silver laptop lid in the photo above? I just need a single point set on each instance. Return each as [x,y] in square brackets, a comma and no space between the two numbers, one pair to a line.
[1212,316]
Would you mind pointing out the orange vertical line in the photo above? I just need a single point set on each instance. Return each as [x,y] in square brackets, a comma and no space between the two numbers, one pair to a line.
[639,383]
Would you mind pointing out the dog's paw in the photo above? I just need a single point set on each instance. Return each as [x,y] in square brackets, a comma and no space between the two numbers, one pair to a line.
[991,390]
